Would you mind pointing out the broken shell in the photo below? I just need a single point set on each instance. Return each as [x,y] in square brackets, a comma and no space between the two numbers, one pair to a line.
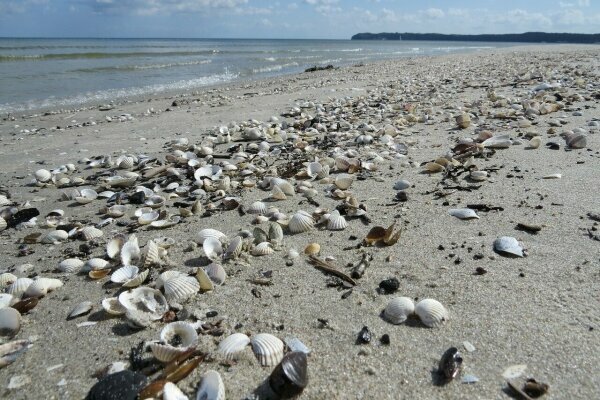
[216,273]
[290,376]
[212,248]
[145,300]
[398,310]
[344,181]
[41,286]
[152,256]
[130,251]
[312,249]
[234,249]
[83,308]
[267,348]
[11,350]
[232,345]
[508,246]
[172,392]
[463,213]
[204,281]
[275,233]
[113,247]
[164,242]
[176,338]
[258,207]
[336,221]
[54,237]
[90,233]
[3,224]
[432,167]
[431,312]
[112,306]
[18,287]
[211,387]
[180,288]
[301,222]
[166,223]
[263,249]
[478,175]
[277,193]
[10,322]
[210,233]
[498,142]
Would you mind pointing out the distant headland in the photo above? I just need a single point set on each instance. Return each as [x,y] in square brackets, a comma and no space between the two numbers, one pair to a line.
[527,37]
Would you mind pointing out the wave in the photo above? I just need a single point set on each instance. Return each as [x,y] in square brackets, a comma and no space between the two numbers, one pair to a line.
[141,67]
[74,56]
[272,68]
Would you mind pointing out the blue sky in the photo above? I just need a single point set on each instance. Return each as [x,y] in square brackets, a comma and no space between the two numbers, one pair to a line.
[336,19]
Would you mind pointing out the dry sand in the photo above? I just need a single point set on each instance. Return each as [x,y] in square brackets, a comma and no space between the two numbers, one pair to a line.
[542,310]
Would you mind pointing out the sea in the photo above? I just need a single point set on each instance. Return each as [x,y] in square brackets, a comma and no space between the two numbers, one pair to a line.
[40,74]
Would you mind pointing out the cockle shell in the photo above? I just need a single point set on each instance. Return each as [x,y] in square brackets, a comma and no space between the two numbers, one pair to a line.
[70,265]
[212,248]
[301,222]
[180,288]
[216,273]
[165,276]
[42,175]
[148,217]
[124,274]
[508,246]
[90,233]
[94,264]
[86,196]
[125,162]
[6,279]
[336,221]
[463,213]
[263,249]
[210,233]
[152,254]
[112,306]
[343,181]
[54,237]
[431,312]
[232,345]
[258,207]
[176,338]
[41,286]
[116,211]
[211,387]
[18,287]
[146,300]
[267,348]
[234,249]
[275,233]
[130,252]
[398,310]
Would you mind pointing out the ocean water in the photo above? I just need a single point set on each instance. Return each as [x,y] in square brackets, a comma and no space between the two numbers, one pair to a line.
[38,74]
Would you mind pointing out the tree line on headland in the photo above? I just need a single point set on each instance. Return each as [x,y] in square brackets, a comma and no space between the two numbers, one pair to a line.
[527,37]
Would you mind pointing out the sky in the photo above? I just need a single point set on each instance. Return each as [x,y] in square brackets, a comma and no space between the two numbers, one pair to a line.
[324,19]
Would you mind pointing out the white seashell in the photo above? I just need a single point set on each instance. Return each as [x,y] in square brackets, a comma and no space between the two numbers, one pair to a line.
[535,142]
[18,287]
[113,247]
[172,392]
[86,196]
[498,142]
[263,249]
[431,312]
[112,306]
[234,249]
[166,223]
[3,224]
[216,273]
[301,222]
[130,251]
[94,264]
[478,175]
[258,207]
[145,300]
[54,237]
[124,274]
[144,210]
[508,246]
[148,218]
[6,279]
[292,254]
[398,310]
[42,175]
[152,254]
[165,276]
[80,309]
[210,233]
[6,300]
[267,348]
[120,181]
[463,213]
[402,185]
[278,194]
[212,248]
[294,344]
[176,338]
[180,288]
[116,211]
[232,345]
[211,387]
[70,265]
[155,201]
[42,286]
[275,233]
[343,181]
[336,222]
[91,233]
[10,322]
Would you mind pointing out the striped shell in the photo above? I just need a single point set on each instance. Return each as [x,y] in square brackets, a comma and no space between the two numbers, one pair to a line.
[263,249]
[6,279]
[125,162]
[232,345]
[90,233]
[70,265]
[181,288]
[301,222]
[267,348]
[210,233]
[234,249]
[124,274]
[336,222]
[398,310]
[216,273]
[130,251]
[211,387]
[18,287]
[431,312]
[152,256]
[165,276]
[176,338]
[258,207]
[41,286]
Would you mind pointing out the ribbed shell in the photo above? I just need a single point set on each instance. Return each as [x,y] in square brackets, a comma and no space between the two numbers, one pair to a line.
[210,233]
[124,274]
[233,344]
[152,254]
[125,162]
[18,287]
[343,181]
[185,332]
[96,264]
[277,193]
[90,233]
[336,221]
[54,237]
[180,288]
[258,207]
[398,310]
[263,249]
[6,279]
[216,273]
[234,249]
[301,222]
[431,312]
[275,233]
[267,348]
[165,276]
[130,251]
[70,265]
[41,286]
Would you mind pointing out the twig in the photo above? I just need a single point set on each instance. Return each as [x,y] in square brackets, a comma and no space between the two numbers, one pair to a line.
[330,269]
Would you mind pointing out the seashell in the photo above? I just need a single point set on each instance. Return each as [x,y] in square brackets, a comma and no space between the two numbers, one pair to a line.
[176,338]
[212,248]
[3,224]
[18,287]
[155,201]
[463,213]
[431,312]
[11,350]
[116,211]
[216,273]
[95,264]
[478,175]
[232,345]
[70,265]
[267,348]
[336,221]
[262,249]
[138,213]
[6,279]
[211,387]
[42,286]
[120,181]
[172,392]
[259,235]
[508,246]
[552,176]
[210,233]
[166,223]
[535,142]
[164,242]
[312,249]
[145,300]
[294,344]
[343,181]
[10,322]
[286,187]
[463,120]
[498,142]
[124,274]
[258,207]
[112,306]
[292,254]
[152,256]
[402,185]
[301,222]
[125,162]
[83,308]
[432,168]
[165,276]
[180,288]
[289,378]
[42,175]
[275,233]
[148,218]
[234,249]
[99,273]
[6,300]
[54,237]
[130,251]
[204,281]
[86,196]
[91,233]
[398,310]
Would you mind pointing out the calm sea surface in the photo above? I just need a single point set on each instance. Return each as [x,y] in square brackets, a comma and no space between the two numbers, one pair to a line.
[39,74]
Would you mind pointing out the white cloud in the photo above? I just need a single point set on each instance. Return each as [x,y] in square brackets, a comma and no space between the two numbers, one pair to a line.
[583,3]
[434,13]
[150,7]
[325,7]
[19,6]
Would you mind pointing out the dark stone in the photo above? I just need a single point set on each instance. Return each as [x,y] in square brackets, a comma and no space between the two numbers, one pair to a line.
[22,216]
[124,385]
[402,196]
[137,198]
[364,336]
[388,286]
[385,339]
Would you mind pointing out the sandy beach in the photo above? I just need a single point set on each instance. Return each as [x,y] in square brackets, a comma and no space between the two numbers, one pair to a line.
[541,310]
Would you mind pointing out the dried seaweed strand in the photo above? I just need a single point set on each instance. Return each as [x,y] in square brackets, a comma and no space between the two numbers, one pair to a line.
[330,269]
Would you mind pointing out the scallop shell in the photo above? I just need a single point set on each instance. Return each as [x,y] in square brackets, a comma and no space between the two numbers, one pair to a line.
[398,310]
[124,274]
[267,348]
[210,233]
[42,175]
[116,211]
[6,279]
[508,246]
[431,312]
[301,222]
[112,306]
[146,300]
[54,237]
[18,287]
[216,273]
[258,207]
[212,248]
[91,233]
[130,251]
[70,265]
[336,221]
[180,288]
[152,256]
[263,249]
[232,345]
[463,213]
[343,181]
[125,162]
[275,233]
[286,187]
[41,286]
[234,249]
[211,387]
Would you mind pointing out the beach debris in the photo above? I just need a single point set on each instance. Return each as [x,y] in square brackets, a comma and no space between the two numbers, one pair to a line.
[450,364]
[364,336]
[381,235]
[330,269]
[529,390]
[121,385]
[290,377]
[508,246]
